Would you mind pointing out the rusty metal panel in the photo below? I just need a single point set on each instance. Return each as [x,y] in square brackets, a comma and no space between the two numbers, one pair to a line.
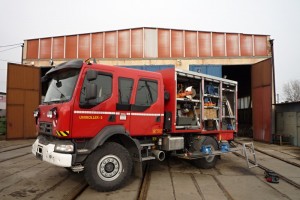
[16,81]
[110,45]
[45,48]
[261,84]
[150,43]
[97,45]
[163,43]
[71,46]
[23,97]
[15,121]
[84,46]
[204,40]
[246,44]
[191,44]
[58,48]
[262,74]
[218,44]
[124,44]
[261,112]
[32,49]
[16,97]
[232,44]
[177,43]
[31,101]
[137,43]
[260,45]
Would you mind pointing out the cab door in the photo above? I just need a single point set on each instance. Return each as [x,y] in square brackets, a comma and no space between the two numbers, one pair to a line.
[91,116]
[147,109]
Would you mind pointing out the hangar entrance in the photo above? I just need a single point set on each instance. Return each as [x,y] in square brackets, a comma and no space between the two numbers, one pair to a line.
[255,95]
[255,98]
[242,74]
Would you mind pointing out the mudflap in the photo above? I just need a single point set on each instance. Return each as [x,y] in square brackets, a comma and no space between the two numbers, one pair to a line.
[138,168]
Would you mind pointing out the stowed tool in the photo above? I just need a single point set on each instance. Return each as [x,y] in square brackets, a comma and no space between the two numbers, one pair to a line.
[271,176]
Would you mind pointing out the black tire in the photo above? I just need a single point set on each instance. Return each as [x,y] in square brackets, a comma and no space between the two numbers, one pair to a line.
[108,167]
[207,162]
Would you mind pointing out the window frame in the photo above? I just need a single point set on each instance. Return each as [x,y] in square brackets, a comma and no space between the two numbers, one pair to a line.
[136,107]
[86,103]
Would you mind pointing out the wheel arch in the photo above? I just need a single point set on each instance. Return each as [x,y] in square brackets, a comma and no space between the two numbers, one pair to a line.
[118,134]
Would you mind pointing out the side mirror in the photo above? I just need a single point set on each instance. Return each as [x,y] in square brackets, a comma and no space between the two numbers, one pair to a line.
[58,84]
[91,75]
[91,91]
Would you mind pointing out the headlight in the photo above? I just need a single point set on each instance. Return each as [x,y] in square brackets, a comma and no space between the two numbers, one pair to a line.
[52,114]
[36,113]
[64,148]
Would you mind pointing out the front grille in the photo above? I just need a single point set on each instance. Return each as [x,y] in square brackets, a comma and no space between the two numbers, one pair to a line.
[45,128]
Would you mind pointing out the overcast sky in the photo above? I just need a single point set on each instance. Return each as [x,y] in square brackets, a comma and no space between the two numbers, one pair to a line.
[26,19]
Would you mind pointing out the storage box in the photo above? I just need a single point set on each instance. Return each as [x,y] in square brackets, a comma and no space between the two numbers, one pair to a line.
[210,113]
[172,143]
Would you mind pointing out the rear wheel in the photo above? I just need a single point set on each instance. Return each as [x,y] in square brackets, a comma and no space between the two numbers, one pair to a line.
[210,160]
[108,167]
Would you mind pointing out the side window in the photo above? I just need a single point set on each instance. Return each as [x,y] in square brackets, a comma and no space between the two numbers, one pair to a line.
[147,92]
[104,89]
[125,90]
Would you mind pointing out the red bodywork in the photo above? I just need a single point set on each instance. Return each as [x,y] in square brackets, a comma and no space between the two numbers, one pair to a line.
[76,122]
[79,122]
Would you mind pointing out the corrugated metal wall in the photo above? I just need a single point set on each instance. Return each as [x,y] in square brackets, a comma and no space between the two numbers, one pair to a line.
[23,95]
[213,70]
[288,121]
[148,43]
[261,84]
[152,68]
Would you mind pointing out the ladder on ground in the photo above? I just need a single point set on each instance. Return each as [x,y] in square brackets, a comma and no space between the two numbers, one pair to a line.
[249,152]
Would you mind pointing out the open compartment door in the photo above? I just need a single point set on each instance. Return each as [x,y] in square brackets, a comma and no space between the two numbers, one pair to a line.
[262,100]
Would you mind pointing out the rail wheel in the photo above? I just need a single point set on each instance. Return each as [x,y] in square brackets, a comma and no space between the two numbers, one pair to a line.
[108,167]
[210,160]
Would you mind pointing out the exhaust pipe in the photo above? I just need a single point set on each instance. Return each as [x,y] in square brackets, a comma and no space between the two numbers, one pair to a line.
[159,155]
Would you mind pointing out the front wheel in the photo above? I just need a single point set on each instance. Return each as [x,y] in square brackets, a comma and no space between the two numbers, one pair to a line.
[108,167]
[208,161]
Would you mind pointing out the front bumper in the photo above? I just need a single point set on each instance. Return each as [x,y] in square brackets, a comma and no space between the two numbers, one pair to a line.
[45,152]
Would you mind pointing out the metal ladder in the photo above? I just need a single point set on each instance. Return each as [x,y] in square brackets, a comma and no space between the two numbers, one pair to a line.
[248,150]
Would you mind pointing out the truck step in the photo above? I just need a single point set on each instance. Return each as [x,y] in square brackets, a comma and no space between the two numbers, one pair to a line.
[147,145]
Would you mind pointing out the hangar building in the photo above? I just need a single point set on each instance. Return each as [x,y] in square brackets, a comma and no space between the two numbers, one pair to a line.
[246,58]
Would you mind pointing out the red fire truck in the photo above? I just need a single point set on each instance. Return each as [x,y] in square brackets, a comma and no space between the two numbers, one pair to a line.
[107,120]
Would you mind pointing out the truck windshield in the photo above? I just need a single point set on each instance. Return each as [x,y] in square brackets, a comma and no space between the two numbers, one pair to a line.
[61,86]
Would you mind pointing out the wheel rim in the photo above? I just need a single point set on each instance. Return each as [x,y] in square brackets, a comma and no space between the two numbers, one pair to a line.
[211,157]
[109,168]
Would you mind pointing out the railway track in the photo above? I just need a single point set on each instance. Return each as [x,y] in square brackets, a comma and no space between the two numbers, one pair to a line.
[267,168]
[24,177]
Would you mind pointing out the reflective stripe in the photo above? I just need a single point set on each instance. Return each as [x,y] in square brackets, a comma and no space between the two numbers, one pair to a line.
[117,113]
[146,114]
[95,112]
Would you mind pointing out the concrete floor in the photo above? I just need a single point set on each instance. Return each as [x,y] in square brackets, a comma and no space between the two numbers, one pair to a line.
[24,177]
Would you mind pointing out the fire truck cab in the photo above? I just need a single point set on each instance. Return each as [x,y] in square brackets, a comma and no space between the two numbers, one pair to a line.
[107,120]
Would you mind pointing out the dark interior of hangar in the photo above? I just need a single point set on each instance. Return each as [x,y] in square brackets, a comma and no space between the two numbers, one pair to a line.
[242,74]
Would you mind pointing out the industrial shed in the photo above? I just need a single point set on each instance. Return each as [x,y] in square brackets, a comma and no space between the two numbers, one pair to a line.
[288,122]
[246,58]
